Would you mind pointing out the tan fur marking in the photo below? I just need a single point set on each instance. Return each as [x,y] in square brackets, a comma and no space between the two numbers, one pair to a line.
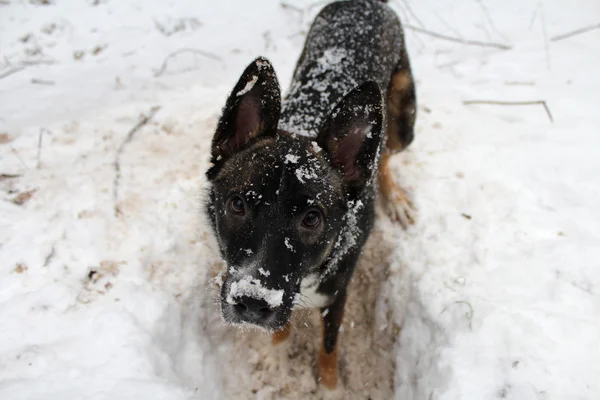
[259,128]
[401,80]
[397,107]
[281,335]
[328,368]
[400,106]
[393,141]
[328,363]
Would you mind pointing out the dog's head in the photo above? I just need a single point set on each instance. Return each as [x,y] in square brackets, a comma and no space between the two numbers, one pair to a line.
[279,203]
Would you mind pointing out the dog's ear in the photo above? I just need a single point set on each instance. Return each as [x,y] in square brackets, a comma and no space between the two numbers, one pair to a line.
[251,111]
[353,132]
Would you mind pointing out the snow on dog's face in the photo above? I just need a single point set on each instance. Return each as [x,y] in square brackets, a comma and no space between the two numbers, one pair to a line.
[278,202]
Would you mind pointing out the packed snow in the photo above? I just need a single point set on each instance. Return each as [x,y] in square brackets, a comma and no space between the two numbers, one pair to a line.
[107,290]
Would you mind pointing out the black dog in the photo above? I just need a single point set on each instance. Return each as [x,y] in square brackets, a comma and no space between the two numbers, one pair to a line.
[293,184]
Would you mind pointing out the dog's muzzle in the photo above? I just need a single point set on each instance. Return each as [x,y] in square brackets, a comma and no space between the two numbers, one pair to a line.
[248,301]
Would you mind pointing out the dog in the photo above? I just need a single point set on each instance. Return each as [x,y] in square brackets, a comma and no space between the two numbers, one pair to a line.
[293,183]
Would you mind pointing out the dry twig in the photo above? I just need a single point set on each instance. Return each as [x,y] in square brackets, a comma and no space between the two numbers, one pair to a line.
[290,6]
[39,153]
[163,67]
[489,19]
[412,13]
[24,65]
[41,82]
[9,176]
[49,257]
[144,119]
[458,40]
[18,157]
[575,32]
[513,103]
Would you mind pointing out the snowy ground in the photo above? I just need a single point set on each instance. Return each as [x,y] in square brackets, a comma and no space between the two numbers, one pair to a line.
[494,293]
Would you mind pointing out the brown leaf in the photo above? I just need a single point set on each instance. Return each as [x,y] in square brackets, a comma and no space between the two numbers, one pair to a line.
[20,268]
[23,197]
[4,138]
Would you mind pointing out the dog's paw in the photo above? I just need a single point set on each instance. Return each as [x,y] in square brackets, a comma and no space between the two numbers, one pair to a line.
[401,209]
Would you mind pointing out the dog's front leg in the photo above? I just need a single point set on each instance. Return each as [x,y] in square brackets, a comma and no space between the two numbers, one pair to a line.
[281,335]
[332,319]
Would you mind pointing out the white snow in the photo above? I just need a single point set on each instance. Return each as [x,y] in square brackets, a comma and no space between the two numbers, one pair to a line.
[291,158]
[493,293]
[249,85]
[251,287]
[287,243]
[305,173]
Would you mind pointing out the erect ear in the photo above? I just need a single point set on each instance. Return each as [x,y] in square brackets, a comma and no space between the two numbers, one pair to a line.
[251,111]
[353,133]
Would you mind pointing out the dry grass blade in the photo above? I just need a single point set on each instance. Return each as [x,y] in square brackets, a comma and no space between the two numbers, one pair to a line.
[206,54]
[458,40]
[144,119]
[513,103]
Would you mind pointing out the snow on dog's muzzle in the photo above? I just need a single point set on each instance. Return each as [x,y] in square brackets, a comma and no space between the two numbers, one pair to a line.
[249,301]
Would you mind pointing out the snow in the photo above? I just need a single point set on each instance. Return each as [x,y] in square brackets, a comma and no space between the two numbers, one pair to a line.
[288,245]
[291,158]
[249,85]
[251,287]
[493,293]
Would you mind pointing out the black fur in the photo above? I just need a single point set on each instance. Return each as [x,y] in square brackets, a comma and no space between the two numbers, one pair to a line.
[318,151]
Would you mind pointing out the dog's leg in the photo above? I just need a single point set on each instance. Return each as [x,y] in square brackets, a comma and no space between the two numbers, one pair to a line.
[328,363]
[282,334]
[399,206]
[401,114]
[401,107]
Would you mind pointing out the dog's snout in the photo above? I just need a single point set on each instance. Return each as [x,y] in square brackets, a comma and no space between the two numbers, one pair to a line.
[253,310]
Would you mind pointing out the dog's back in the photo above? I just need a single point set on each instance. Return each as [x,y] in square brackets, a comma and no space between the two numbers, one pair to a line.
[350,42]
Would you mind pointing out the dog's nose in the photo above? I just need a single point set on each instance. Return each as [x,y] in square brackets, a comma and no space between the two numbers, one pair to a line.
[253,310]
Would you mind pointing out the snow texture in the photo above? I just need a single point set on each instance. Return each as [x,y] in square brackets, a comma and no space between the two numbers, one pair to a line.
[492,294]
[305,173]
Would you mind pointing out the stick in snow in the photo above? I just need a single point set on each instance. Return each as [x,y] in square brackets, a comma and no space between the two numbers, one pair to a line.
[181,51]
[575,32]
[9,176]
[39,152]
[24,65]
[144,119]
[513,103]
[458,40]
[41,82]
[412,13]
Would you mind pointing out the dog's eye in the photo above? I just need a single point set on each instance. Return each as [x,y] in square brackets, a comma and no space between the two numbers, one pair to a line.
[236,204]
[312,219]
